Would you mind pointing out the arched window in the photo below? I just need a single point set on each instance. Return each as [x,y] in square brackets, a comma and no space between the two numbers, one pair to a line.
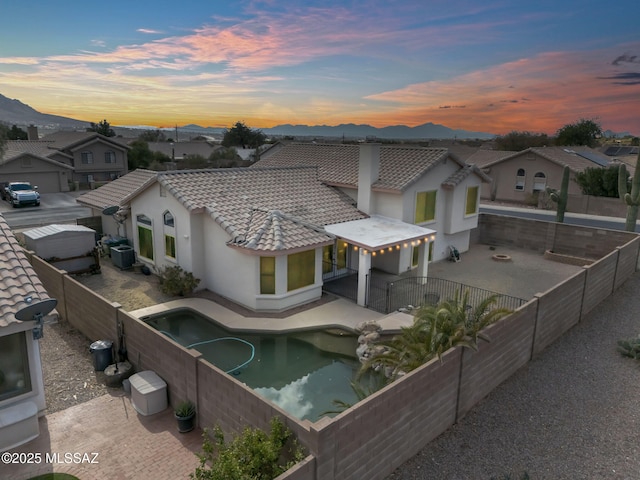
[169,235]
[539,182]
[520,178]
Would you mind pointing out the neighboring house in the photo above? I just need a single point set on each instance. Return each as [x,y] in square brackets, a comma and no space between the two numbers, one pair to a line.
[31,161]
[21,385]
[56,161]
[268,237]
[520,176]
[178,151]
[94,157]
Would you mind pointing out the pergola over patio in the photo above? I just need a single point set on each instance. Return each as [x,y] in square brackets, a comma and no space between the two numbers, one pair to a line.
[378,234]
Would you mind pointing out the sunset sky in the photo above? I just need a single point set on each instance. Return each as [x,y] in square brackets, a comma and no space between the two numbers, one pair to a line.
[492,66]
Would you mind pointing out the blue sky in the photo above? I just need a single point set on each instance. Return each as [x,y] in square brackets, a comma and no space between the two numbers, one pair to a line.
[492,66]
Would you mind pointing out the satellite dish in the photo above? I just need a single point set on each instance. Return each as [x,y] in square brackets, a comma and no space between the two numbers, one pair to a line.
[110,210]
[37,311]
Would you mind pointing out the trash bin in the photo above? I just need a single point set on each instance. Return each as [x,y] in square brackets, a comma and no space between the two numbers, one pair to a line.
[102,354]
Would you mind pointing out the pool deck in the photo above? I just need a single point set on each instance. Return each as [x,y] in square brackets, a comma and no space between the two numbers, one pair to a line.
[337,313]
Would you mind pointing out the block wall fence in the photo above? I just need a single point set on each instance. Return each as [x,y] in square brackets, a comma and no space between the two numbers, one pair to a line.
[380,433]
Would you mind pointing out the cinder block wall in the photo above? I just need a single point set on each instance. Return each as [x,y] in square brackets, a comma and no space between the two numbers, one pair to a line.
[541,236]
[510,348]
[90,313]
[599,283]
[148,349]
[391,426]
[51,278]
[558,310]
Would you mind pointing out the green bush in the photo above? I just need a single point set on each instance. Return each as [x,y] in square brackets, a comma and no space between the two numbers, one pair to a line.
[253,455]
[175,281]
[630,347]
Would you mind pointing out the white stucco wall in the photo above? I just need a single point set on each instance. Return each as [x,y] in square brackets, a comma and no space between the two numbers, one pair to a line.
[153,205]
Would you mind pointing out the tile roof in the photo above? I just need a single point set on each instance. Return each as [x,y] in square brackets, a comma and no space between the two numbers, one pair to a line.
[485,157]
[577,158]
[400,166]
[36,148]
[267,209]
[18,280]
[116,191]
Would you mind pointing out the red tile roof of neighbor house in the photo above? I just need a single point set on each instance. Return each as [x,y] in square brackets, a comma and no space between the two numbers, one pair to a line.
[264,209]
[114,192]
[18,280]
[400,165]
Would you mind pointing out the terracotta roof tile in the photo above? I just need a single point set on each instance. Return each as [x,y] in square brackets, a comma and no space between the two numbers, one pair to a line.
[116,192]
[337,164]
[18,280]
[263,208]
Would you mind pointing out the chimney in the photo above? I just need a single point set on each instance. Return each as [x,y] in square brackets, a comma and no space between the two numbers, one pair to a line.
[368,168]
[32,133]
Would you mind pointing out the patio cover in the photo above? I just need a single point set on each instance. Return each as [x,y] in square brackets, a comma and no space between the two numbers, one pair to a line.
[378,232]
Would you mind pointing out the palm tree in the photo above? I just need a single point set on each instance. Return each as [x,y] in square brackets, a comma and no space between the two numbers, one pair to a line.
[435,329]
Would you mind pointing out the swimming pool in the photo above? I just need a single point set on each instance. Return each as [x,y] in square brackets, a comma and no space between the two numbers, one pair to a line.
[302,372]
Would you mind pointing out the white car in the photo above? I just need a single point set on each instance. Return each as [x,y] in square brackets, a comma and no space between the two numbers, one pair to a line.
[22,193]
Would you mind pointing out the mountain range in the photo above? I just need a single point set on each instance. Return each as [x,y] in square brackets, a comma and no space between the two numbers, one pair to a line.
[14,112]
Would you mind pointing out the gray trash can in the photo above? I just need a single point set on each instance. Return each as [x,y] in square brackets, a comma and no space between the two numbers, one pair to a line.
[102,354]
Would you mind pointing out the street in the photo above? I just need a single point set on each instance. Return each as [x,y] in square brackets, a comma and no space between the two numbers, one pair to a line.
[54,208]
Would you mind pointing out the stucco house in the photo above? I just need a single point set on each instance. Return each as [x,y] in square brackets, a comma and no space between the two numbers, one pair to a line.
[31,161]
[56,161]
[22,397]
[267,237]
[520,176]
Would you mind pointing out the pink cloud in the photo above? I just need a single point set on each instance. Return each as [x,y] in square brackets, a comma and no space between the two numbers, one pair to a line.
[541,94]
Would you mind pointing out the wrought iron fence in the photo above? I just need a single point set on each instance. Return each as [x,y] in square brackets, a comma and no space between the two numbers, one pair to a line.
[388,296]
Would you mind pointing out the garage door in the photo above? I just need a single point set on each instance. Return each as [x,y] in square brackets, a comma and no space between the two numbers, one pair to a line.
[46,182]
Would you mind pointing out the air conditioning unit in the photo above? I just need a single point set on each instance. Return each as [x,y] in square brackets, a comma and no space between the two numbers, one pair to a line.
[123,256]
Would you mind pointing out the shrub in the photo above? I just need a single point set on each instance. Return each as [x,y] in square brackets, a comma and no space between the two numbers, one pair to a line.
[175,281]
[630,347]
[253,455]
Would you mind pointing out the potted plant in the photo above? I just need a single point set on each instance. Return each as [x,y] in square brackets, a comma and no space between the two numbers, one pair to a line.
[185,413]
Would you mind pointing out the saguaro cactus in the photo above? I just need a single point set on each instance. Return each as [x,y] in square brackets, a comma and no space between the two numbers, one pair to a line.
[632,199]
[560,197]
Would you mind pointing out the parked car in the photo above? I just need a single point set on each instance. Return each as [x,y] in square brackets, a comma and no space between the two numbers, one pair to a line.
[21,193]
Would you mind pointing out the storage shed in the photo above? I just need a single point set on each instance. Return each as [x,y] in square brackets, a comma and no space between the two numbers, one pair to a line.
[68,247]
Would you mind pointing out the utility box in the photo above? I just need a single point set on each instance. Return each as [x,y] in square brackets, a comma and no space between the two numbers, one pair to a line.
[123,256]
[148,392]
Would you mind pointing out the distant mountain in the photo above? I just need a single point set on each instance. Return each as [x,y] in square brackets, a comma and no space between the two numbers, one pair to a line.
[14,112]
[350,130]
[401,132]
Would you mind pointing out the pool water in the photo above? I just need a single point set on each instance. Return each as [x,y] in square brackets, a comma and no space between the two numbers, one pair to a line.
[302,372]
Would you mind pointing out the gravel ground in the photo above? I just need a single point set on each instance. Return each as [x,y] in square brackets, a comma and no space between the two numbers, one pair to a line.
[572,413]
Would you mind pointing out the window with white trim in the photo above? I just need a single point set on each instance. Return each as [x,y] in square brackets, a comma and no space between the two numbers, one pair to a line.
[86,157]
[169,235]
[15,376]
[539,182]
[520,179]
[145,236]
[110,157]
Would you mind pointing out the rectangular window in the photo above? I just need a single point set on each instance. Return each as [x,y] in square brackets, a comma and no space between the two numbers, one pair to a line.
[25,162]
[426,206]
[109,157]
[267,275]
[145,239]
[341,254]
[86,158]
[15,377]
[471,207]
[430,251]
[170,246]
[327,259]
[415,256]
[301,269]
